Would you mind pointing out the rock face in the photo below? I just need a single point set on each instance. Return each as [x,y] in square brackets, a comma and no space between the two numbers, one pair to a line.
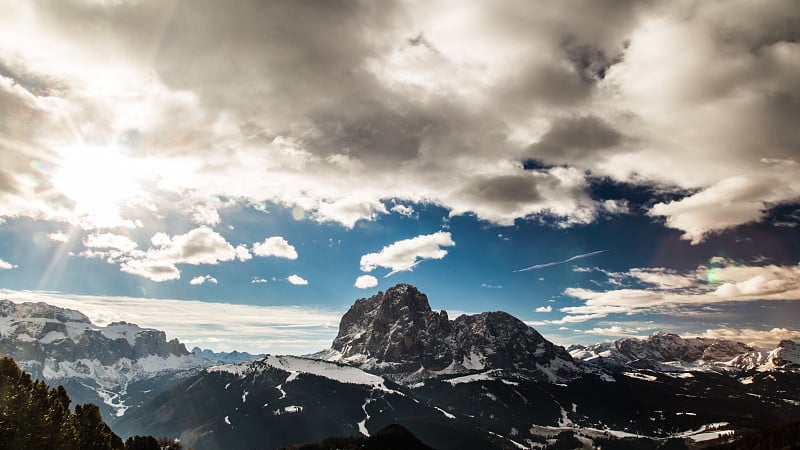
[395,333]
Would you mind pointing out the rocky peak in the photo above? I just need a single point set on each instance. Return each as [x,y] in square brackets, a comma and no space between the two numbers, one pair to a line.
[397,333]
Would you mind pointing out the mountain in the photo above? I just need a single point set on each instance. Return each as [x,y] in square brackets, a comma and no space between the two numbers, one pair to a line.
[283,400]
[225,357]
[667,352]
[480,381]
[397,334]
[118,366]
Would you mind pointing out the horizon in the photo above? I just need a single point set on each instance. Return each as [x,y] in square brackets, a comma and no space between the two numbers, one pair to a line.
[597,170]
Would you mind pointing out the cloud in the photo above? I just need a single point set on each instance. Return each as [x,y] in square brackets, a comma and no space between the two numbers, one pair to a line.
[295,329]
[275,246]
[6,265]
[614,330]
[667,291]
[58,237]
[767,339]
[544,309]
[157,271]
[242,253]
[159,263]
[203,279]
[385,111]
[403,210]
[110,241]
[555,263]
[366,282]
[404,255]
[296,280]
[491,286]
[259,280]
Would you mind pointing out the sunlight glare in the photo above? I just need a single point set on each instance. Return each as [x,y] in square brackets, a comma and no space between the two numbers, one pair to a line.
[100,181]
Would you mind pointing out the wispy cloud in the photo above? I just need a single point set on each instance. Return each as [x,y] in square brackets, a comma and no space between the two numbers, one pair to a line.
[555,263]
[6,265]
[220,326]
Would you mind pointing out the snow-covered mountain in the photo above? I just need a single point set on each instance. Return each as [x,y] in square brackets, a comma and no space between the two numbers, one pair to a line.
[480,381]
[282,400]
[396,334]
[667,352]
[115,366]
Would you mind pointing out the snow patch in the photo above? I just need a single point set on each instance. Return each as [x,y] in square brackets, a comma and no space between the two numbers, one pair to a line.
[445,413]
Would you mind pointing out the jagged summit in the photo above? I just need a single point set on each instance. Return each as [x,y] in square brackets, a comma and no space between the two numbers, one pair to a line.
[396,333]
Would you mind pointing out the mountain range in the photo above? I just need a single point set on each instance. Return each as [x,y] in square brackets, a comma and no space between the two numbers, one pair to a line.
[477,381]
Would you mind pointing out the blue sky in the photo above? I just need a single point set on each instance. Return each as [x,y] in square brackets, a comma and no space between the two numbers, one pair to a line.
[283,160]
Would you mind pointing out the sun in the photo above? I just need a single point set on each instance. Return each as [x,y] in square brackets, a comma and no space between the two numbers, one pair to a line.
[100,181]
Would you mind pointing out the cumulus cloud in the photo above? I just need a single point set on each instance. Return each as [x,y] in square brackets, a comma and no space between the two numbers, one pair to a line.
[404,255]
[296,280]
[294,329]
[259,280]
[110,241]
[242,253]
[544,309]
[366,282]
[6,265]
[203,279]
[159,263]
[275,246]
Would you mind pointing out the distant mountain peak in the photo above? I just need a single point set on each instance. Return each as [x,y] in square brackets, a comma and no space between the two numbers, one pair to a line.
[396,333]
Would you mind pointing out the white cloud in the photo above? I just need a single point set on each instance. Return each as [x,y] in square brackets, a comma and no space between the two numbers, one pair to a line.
[157,271]
[203,279]
[242,253]
[404,255]
[403,210]
[275,246]
[6,265]
[297,329]
[296,280]
[259,280]
[199,246]
[110,241]
[58,237]
[729,282]
[544,309]
[365,282]
[614,330]
[491,286]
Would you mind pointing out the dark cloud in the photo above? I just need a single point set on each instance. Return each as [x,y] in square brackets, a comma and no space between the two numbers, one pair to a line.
[575,139]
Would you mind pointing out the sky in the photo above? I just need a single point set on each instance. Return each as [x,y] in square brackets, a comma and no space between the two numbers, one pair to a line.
[239,173]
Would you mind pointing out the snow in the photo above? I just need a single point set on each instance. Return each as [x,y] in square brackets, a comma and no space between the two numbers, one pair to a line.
[291,409]
[362,425]
[283,393]
[244,396]
[53,336]
[474,361]
[483,376]
[746,380]
[297,366]
[445,413]
[640,376]
[121,330]
[227,420]
[515,443]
